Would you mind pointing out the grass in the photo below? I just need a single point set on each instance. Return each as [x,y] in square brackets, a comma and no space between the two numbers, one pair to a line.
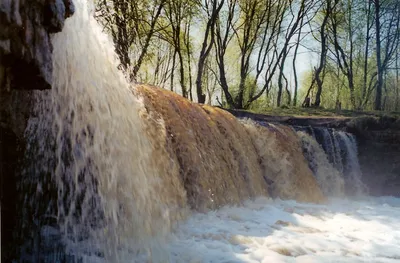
[321,112]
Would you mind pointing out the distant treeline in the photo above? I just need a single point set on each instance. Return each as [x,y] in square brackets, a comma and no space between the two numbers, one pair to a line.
[245,53]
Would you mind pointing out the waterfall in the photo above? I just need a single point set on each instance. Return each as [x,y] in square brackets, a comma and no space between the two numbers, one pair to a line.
[341,150]
[93,180]
[328,177]
[111,168]
[352,169]
[223,160]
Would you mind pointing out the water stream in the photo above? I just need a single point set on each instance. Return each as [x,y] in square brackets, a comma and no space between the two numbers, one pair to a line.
[121,173]
[341,149]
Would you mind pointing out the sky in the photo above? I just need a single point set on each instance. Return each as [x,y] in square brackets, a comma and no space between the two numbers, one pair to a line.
[305,60]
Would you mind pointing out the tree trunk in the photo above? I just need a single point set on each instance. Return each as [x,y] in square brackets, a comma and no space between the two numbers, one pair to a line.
[317,102]
[324,51]
[188,53]
[182,74]
[289,96]
[397,82]
[365,75]
[239,98]
[206,48]
[201,97]
[280,88]
[190,78]
[147,42]
[224,85]
[173,70]
[281,76]
[378,97]
[352,95]
[350,76]
[296,81]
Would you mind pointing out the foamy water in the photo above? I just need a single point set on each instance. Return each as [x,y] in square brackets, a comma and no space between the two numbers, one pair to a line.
[116,200]
[274,231]
[286,231]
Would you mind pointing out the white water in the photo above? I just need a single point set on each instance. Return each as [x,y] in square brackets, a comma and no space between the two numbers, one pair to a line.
[286,231]
[276,231]
[92,108]
[353,166]
[340,148]
[87,126]
[329,179]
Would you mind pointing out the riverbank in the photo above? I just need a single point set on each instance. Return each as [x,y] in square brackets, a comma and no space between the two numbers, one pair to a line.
[378,140]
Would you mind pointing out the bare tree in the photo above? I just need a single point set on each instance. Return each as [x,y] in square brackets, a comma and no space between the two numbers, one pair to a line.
[130,23]
[369,26]
[253,15]
[387,27]
[327,9]
[212,9]
[154,18]
[378,97]
[342,18]
[296,21]
[223,36]
[296,49]
[188,45]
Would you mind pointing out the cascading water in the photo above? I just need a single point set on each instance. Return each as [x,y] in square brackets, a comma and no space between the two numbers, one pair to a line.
[352,168]
[341,149]
[108,174]
[225,161]
[93,173]
[328,177]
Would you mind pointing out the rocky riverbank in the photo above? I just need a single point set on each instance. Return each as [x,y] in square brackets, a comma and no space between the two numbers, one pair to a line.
[378,140]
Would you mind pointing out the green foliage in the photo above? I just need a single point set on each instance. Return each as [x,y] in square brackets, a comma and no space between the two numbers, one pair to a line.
[167,51]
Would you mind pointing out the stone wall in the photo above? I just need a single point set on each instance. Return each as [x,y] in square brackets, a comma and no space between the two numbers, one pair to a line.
[25,65]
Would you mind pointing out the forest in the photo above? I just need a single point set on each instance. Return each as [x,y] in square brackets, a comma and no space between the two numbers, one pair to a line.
[256,54]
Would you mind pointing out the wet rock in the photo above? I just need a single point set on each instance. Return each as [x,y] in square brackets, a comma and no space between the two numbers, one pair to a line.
[315,121]
[379,153]
[25,45]
[378,140]
[25,65]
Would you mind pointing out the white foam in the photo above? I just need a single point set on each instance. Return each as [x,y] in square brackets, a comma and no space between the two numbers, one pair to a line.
[286,231]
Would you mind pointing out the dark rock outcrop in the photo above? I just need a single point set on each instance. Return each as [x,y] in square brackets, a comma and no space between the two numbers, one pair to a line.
[315,121]
[25,65]
[25,45]
[379,153]
[378,144]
